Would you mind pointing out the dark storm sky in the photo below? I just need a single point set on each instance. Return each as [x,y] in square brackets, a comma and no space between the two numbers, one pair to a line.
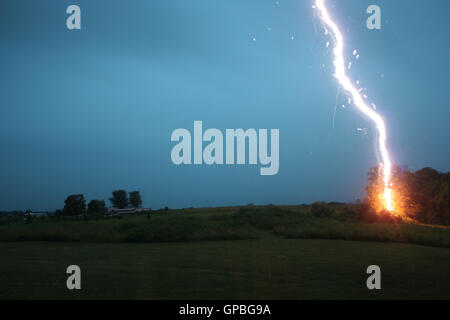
[91,111]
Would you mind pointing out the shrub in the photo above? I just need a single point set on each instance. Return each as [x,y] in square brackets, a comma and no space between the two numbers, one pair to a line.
[320,209]
[367,214]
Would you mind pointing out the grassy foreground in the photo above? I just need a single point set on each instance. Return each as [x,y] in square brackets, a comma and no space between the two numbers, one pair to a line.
[246,269]
[234,223]
[276,253]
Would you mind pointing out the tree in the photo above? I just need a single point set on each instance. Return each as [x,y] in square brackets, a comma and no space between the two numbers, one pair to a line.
[431,188]
[423,195]
[96,206]
[119,199]
[75,205]
[405,203]
[135,199]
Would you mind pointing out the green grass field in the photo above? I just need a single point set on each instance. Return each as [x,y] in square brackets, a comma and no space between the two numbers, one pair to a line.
[243,269]
[224,253]
[215,224]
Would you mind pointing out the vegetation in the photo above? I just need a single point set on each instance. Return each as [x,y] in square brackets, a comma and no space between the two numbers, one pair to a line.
[340,221]
[278,252]
[74,205]
[135,199]
[423,195]
[320,209]
[268,268]
[96,206]
[119,199]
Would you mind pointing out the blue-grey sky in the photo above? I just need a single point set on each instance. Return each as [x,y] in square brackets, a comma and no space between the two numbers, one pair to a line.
[92,110]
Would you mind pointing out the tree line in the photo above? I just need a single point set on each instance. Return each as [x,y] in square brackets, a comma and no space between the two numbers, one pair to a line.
[75,204]
[423,195]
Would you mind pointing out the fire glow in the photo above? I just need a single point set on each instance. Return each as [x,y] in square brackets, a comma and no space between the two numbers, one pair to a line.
[341,75]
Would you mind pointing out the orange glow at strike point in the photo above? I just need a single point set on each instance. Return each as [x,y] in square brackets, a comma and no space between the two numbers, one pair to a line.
[341,75]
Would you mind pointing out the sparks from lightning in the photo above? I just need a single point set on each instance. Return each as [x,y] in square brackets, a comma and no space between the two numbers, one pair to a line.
[341,75]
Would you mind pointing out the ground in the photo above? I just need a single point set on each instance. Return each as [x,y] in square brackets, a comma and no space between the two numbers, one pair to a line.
[265,268]
[250,252]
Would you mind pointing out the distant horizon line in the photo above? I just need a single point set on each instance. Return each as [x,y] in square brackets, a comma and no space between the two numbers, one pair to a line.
[207,207]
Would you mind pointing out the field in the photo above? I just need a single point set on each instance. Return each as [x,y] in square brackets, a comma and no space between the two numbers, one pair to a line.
[244,269]
[224,253]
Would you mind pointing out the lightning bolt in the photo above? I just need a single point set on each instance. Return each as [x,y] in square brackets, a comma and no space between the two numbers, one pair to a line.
[341,75]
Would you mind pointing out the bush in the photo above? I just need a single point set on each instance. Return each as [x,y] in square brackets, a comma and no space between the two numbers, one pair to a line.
[367,214]
[320,209]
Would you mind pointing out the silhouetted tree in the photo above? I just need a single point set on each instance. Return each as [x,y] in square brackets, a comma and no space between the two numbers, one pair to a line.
[431,188]
[75,205]
[119,199]
[135,199]
[96,206]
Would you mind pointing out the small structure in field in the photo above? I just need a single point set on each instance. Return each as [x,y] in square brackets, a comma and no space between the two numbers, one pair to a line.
[117,212]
